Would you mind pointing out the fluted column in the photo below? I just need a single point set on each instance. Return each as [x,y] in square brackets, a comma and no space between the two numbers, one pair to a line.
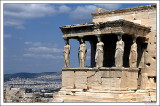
[119,51]
[66,53]
[133,54]
[99,52]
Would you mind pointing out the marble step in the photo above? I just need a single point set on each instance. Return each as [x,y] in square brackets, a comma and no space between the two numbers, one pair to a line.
[71,98]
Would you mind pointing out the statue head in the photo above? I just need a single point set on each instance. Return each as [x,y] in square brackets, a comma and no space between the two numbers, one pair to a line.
[134,39]
[66,41]
[81,41]
[119,37]
[99,38]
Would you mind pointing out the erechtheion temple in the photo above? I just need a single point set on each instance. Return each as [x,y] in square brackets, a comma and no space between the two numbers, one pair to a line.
[123,57]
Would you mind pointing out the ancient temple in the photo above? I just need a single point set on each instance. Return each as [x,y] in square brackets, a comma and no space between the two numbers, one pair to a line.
[123,57]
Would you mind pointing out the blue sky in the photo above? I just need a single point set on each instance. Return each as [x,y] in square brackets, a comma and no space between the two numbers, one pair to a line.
[32,38]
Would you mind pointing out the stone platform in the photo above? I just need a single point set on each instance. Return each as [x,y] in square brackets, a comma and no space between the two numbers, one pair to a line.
[100,78]
[78,95]
[102,85]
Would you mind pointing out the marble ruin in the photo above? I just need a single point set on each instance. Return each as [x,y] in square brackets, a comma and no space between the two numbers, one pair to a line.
[123,58]
[99,53]
[82,53]
[66,52]
[133,54]
[119,52]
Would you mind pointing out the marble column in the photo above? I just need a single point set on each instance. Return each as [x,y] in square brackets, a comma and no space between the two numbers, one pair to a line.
[119,51]
[66,53]
[99,52]
[133,54]
[82,53]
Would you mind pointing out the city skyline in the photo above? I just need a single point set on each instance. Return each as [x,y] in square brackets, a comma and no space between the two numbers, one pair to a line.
[32,38]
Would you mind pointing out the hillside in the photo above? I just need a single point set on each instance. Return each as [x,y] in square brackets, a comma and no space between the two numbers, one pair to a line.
[7,77]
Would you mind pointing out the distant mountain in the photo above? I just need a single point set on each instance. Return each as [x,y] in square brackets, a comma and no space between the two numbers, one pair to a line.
[7,77]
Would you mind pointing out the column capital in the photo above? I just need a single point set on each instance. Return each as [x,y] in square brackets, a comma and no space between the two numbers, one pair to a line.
[81,39]
[97,35]
[66,38]
[134,39]
[99,38]
[119,33]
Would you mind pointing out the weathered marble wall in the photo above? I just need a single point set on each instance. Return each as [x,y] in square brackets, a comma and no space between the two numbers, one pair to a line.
[102,79]
[147,17]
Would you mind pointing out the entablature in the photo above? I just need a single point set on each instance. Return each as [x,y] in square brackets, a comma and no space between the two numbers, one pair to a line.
[109,27]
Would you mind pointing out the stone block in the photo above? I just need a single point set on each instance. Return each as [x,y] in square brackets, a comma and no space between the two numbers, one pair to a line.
[115,74]
[129,17]
[124,100]
[124,81]
[151,70]
[72,90]
[111,91]
[143,99]
[140,94]
[153,96]
[97,20]
[136,21]
[153,27]
[111,83]
[87,99]
[151,15]
[105,74]
[113,18]
[68,79]
[96,95]
[94,79]
[144,81]
[141,15]
[65,93]
[148,22]
[112,74]
[132,80]
[81,80]
[151,83]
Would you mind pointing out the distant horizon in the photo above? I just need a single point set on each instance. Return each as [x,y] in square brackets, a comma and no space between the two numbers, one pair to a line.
[33,72]
[33,40]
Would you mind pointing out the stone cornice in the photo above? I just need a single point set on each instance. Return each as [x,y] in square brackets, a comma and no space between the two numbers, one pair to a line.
[139,8]
[77,25]
[109,27]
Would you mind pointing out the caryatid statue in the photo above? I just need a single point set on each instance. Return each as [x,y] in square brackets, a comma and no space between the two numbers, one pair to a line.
[66,52]
[119,52]
[82,53]
[133,54]
[99,53]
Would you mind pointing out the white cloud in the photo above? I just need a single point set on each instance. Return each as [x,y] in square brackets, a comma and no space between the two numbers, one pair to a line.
[9,21]
[16,14]
[45,49]
[33,43]
[63,9]
[46,56]
[7,36]
[25,11]
[83,13]
[109,6]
